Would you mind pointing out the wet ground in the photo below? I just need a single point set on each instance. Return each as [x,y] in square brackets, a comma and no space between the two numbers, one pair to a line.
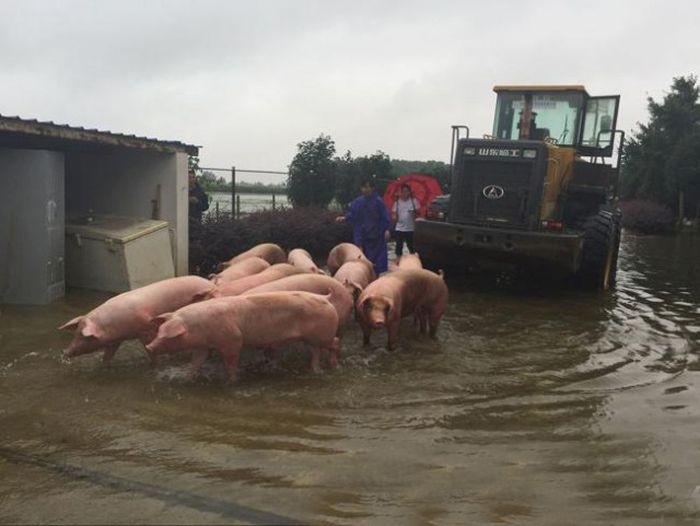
[533,407]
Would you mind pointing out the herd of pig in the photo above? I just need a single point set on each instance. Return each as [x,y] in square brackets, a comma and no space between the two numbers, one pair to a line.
[265,299]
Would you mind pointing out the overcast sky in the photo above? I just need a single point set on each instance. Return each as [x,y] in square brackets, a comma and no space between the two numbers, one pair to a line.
[249,80]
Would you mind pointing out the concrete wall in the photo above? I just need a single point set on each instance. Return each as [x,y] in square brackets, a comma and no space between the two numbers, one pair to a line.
[31,226]
[126,183]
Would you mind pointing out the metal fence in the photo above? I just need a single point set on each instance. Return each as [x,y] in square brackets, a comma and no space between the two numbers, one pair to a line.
[235,203]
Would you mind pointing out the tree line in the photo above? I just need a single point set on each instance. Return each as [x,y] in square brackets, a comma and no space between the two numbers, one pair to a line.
[318,176]
[661,160]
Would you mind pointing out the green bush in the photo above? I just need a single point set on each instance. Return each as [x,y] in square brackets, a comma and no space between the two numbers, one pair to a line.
[215,240]
[646,217]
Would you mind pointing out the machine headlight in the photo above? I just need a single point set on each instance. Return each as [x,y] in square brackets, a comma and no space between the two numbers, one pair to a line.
[529,154]
[469,150]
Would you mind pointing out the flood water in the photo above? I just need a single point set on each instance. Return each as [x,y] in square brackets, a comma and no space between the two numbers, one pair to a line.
[532,407]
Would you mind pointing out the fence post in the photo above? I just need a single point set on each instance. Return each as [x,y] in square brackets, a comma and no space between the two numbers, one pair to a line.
[238,207]
[233,192]
[273,199]
[217,210]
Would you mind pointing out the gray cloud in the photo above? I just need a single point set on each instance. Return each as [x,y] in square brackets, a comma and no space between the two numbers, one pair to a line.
[248,81]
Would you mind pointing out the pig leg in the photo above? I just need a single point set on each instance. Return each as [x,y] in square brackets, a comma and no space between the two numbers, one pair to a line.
[434,321]
[198,358]
[272,354]
[392,330]
[366,333]
[108,353]
[423,320]
[334,353]
[146,338]
[316,360]
[231,355]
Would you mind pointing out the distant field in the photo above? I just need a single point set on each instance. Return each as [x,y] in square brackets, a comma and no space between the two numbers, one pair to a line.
[249,202]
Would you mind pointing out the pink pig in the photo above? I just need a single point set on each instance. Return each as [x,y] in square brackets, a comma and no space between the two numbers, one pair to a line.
[406,262]
[355,275]
[398,294]
[340,298]
[270,252]
[302,259]
[273,273]
[240,269]
[128,315]
[342,253]
[266,320]
[410,262]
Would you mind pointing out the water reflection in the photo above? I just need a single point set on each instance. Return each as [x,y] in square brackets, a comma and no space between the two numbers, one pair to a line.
[535,405]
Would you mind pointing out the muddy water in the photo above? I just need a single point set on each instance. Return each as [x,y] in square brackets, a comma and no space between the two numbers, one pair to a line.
[533,407]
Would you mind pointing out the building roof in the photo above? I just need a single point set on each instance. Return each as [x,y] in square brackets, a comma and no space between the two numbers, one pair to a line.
[31,133]
[571,87]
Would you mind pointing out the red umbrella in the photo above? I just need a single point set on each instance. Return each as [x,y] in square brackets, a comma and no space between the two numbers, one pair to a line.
[424,187]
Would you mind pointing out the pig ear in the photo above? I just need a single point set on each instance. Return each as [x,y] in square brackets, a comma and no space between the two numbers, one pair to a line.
[203,295]
[175,327]
[91,329]
[71,324]
[361,302]
[359,288]
[157,321]
[390,304]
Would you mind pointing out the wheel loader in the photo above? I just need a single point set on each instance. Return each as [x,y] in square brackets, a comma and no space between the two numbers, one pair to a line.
[539,192]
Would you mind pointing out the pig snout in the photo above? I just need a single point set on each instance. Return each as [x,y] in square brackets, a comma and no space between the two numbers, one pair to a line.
[156,346]
[378,322]
[81,345]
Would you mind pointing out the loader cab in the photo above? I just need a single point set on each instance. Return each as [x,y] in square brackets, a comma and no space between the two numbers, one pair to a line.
[563,115]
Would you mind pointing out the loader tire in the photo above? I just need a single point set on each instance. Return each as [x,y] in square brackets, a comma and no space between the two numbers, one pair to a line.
[601,244]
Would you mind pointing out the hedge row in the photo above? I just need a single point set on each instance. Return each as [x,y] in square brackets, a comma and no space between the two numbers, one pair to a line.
[646,217]
[215,240]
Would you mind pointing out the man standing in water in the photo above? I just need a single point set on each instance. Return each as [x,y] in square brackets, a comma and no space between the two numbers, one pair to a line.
[371,225]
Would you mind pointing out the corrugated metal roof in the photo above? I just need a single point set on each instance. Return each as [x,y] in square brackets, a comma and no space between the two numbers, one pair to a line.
[568,87]
[17,126]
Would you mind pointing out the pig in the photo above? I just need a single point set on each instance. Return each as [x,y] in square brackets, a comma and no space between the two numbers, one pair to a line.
[342,253]
[240,269]
[410,262]
[266,320]
[355,275]
[416,292]
[302,259]
[270,274]
[128,315]
[270,252]
[340,298]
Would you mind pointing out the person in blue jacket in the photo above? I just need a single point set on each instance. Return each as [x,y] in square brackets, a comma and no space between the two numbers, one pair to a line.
[371,225]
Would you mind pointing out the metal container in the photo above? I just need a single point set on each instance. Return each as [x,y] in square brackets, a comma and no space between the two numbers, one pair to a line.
[116,254]
[31,226]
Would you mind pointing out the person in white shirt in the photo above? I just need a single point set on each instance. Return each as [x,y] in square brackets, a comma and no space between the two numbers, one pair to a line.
[404,213]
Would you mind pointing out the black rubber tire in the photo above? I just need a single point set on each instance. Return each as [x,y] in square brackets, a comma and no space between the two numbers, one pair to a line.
[601,244]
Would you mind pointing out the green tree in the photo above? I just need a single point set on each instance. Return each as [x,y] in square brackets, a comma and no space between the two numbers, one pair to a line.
[662,158]
[438,169]
[351,172]
[311,179]
[348,177]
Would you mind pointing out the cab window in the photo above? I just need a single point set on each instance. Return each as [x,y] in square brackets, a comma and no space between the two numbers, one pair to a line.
[599,122]
[537,116]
